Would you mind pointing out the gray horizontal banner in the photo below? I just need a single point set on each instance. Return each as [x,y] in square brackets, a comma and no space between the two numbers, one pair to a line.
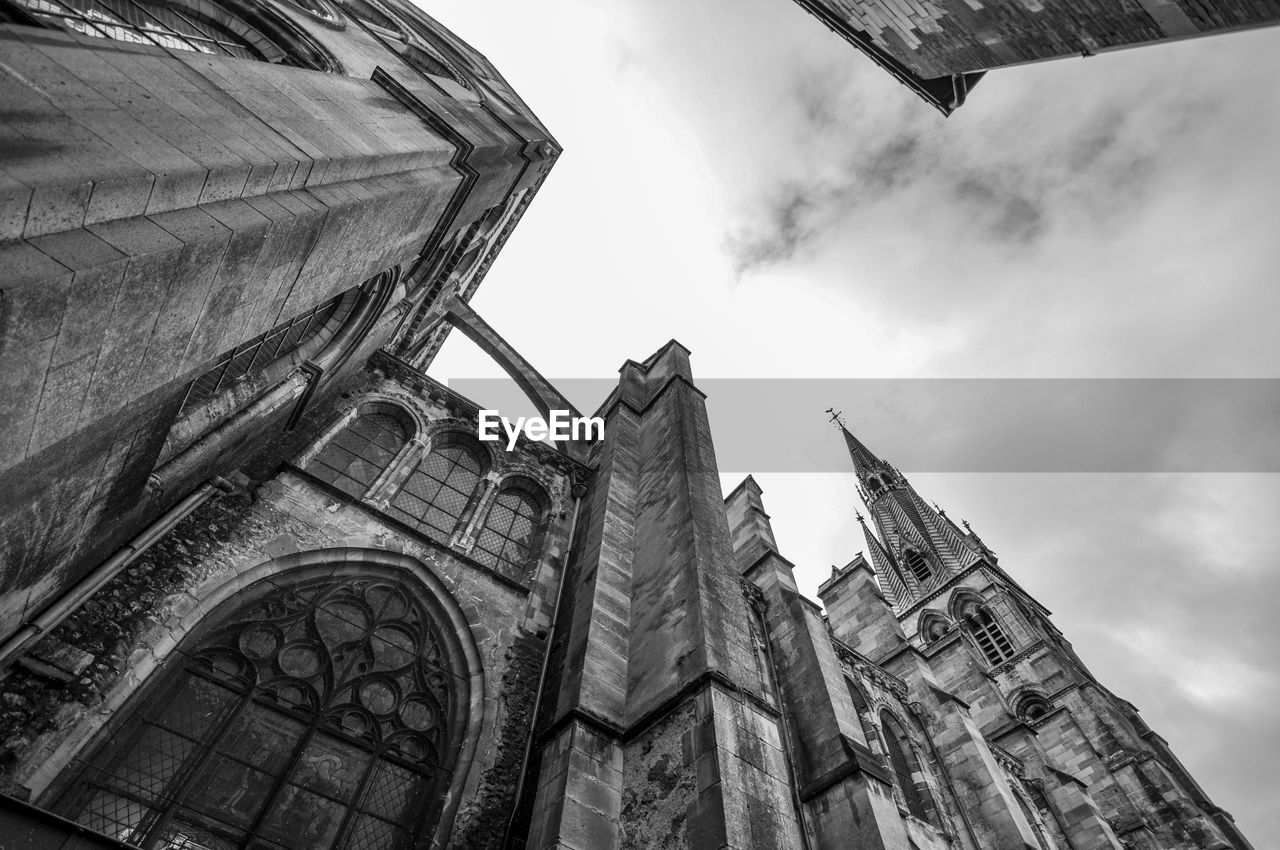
[971,425]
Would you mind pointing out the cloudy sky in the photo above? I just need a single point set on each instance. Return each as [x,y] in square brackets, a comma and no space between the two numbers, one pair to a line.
[739,179]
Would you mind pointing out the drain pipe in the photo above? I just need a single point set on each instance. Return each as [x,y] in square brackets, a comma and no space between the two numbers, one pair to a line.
[69,602]
[542,676]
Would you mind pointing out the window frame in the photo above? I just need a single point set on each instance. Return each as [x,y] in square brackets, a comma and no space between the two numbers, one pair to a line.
[987,632]
[422,814]
[367,409]
[541,503]
[920,560]
[440,441]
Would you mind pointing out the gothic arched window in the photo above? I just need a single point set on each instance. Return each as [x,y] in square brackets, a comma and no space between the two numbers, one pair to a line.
[902,760]
[362,450]
[320,714]
[919,565]
[511,536]
[441,487]
[988,634]
[197,26]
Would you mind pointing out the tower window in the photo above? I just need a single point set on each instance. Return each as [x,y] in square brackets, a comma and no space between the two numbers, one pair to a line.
[509,540]
[989,636]
[321,715]
[440,488]
[902,760]
[361,451]
[919,565]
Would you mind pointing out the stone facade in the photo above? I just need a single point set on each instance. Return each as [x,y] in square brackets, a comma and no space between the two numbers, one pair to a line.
[646,675]
[163,209]
[941,48]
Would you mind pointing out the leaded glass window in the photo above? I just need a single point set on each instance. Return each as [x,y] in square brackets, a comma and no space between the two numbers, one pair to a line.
[895,741]
[319,716]
[439,489]
[509,538]
[173,26]
[255,355]
[989,636]
[361,451]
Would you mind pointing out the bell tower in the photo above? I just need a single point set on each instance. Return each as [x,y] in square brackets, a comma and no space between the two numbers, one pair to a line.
[1108,778]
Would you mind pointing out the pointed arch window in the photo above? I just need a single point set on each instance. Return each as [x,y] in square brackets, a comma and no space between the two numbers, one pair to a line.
[358,454]
[902,760]
[919,565]
[441,487]
[318,714]
[512,534]
[989,635]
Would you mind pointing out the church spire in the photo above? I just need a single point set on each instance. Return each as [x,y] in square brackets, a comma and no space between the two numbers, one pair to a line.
[864,461]
[874,474]
[917,548]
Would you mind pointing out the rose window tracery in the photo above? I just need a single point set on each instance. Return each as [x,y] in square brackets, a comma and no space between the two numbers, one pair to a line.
[320,715]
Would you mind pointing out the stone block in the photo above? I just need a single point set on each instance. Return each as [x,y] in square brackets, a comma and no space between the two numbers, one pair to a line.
[68,660]
[15,200]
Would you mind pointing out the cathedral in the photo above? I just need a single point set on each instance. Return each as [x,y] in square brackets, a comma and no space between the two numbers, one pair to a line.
[261,584]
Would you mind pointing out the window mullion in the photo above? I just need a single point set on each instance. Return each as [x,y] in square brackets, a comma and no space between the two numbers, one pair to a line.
[469,525]
[392,480]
